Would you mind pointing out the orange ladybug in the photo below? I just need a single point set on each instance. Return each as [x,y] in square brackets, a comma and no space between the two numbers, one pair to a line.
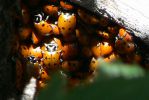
[41,25]
[124,47]
[69,51]
[44,28]
[51,60]
[71,66]
[51,10]
[35,38]
[55,29]
[111,57]
[44,75]
[87,18]
[25,32]
[52,54]
[35,52]
[104,35]
[24,51]
[66,6]
[124,35]
[101,49]
[66,23]
[82,37]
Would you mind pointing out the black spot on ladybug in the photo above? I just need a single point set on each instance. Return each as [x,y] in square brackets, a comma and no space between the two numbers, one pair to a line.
[24,48]
[50,31]
[43,25]
[93,61]
[63,28]
[128,46]
[69,28]
[42,73]
[47,9]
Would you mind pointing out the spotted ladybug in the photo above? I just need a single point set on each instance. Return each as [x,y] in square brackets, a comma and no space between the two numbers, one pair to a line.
[41,25]
[100,49]
[51,10]
[52,54]
[67,48]
[66,6]
[124,35]
[66,23]
[35,52]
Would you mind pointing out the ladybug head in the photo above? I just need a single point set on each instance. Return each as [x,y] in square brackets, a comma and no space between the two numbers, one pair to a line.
[51,47]
[39,16]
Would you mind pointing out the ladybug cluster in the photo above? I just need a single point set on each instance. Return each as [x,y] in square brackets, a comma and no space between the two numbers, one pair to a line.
[55,35]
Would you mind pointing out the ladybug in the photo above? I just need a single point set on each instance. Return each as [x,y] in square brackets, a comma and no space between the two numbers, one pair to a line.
[124,47]
[71,66]
[43,75]
[66,6]
[43,27]
[104,35]
[111,57]
[35,52]
[55,29]
[69,51]
[82,37]
[35,38]
[25,32]
[100,49]
[124,35]
[51,10]
[52,54]
[24,51]
[87,18]
[43,78]
[67,24]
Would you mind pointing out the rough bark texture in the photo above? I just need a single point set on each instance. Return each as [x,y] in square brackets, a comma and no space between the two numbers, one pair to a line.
[132,14]
[7,70]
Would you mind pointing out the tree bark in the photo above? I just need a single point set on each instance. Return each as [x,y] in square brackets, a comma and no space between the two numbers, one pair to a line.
[131,14]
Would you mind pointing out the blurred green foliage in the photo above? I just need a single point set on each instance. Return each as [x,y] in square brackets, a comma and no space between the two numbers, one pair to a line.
[116,81]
